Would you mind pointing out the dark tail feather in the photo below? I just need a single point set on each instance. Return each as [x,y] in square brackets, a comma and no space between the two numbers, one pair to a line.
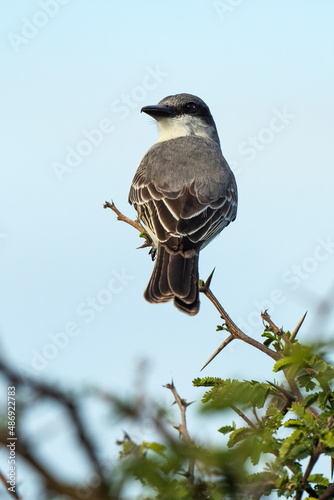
[175,277]
[183,277]
[158,289]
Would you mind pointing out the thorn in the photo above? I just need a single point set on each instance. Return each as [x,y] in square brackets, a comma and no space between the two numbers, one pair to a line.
[178,428]
[285,393]
[204,288]
[296,330]
[220,348]
[144,245]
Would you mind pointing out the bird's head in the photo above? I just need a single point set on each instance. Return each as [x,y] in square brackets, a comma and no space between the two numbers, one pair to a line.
[182,115]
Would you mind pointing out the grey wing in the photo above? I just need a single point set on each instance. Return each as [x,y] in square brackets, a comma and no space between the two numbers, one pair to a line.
[195,211]
[225,212]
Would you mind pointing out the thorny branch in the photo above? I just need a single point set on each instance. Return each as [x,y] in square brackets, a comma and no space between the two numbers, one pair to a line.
[236,333]
[231,326]
[205,289]
[182,428]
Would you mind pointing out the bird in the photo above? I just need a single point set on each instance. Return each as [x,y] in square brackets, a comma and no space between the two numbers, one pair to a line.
[185,194]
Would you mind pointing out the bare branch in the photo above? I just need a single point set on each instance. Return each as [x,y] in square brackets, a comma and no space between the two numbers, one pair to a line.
[183,431]
[243,416]
[124,218]
[182,404]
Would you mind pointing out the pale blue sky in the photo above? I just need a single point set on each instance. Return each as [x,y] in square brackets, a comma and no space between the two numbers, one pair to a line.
[266,71]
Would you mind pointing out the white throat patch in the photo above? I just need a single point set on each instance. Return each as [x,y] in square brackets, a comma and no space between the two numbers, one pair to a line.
[181,126]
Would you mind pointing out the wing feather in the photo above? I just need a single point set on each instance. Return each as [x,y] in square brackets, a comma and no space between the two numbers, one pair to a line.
[186,207]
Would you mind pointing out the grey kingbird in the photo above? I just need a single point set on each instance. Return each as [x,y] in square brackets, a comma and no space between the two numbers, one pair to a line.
[185,194]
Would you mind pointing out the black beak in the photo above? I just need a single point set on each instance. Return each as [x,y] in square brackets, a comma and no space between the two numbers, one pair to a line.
[158,111]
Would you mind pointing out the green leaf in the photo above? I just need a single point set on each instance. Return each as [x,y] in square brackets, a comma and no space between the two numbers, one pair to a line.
[156,447]
[207,381]
[283,363]
[306,381]
[292,447]
[226,429]
[318,478]
[238,435]
[310,399]
[294,423]
[256,452]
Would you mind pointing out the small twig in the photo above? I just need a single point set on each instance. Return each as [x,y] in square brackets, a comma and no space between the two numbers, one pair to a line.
[123,218]
[232,327]
[134,223]
[182,428]
[182,404]
[266,317]
[313,459]
[243,416]
[255,415]
[220,348]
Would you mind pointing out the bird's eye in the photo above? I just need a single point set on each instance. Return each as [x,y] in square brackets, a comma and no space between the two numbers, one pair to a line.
[191,107]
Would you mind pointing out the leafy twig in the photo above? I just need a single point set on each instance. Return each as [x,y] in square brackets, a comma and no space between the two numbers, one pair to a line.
[313,459]
[265,317]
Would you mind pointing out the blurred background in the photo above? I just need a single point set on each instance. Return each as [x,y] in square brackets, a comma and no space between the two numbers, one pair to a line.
[74,78]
